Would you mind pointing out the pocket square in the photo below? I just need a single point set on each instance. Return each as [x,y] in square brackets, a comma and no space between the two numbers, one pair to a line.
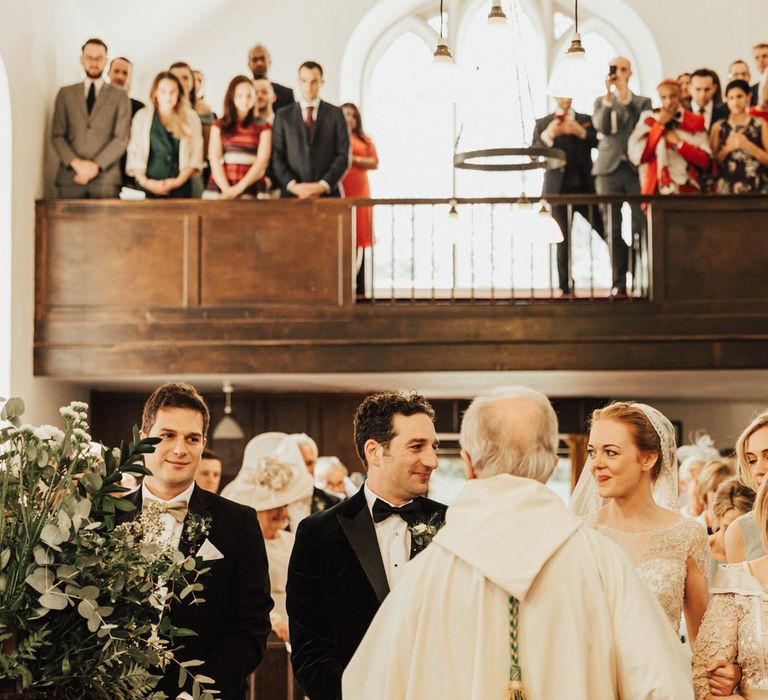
[208,551]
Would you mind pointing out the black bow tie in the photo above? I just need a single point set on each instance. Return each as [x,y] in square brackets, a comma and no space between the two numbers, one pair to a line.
[410,512]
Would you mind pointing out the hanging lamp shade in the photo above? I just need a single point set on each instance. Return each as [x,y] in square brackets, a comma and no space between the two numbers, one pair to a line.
[573,76]
[228,428]
[443,79]
[548,230]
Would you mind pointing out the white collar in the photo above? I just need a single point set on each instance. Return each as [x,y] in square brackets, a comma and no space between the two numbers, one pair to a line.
[370,498]
[185,495]
[98,82]
[707,108]
[304,104]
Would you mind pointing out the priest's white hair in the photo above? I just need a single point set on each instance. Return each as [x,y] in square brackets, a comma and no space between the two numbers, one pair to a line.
[511,430]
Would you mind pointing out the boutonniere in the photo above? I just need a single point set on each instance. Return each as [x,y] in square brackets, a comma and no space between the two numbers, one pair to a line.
[423,532]
[196,528]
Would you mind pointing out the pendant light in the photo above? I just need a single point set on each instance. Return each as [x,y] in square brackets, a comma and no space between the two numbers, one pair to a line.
[572,76]
[227,428]
[443,78]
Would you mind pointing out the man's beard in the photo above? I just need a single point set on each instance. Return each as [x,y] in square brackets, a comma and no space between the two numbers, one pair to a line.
[260,75]
[94,74]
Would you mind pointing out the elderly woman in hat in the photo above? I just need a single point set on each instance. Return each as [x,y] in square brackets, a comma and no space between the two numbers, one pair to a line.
[273,476]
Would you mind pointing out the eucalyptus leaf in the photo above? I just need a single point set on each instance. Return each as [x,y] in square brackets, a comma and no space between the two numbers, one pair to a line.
[89,593]
[53,600]
[93,624]
[86,609]
[191,663]
[41,580]
[52,535]
[42,556]
[66,571]
[182,676]
[13,408]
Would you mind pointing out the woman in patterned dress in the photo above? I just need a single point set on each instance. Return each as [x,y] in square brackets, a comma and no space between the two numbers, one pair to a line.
[240,146]
[740,145]
[629,494]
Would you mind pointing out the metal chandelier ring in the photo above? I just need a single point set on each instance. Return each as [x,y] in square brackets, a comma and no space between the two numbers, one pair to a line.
[539,158]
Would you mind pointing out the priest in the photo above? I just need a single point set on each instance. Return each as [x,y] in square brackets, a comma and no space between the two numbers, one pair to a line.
[516,598]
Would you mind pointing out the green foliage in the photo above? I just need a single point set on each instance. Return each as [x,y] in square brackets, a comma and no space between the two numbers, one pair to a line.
[84,601]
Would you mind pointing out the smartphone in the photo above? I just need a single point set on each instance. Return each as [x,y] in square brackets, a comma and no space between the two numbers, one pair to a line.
[612,70]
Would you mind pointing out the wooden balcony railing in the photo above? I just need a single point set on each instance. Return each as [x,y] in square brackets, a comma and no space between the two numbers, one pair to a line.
[192,287]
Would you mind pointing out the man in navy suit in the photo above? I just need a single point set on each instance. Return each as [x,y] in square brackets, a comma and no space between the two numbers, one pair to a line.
[573,133]
[347,558]
[310,141]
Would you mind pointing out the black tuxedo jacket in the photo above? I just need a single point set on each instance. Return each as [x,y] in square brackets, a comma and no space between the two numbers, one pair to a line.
[325,157]
[232,624]
[578,155]
[336,583]
[754,99]
[283,97]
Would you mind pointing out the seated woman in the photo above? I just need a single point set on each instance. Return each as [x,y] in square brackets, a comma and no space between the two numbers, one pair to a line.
[708,482]
[740,144]
[732,628]
[731,500]
[240,146]
[166,144]
[272,477]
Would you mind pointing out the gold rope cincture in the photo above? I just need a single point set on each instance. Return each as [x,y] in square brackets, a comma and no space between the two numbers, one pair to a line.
[515,690]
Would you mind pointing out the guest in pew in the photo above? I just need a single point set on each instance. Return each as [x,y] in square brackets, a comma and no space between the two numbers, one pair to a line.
[208,474]
[240,146]
[166,145]
[355,184]
[732,500]
[744,541]
[714,473]
[272,477]
[740,145]
[332,477]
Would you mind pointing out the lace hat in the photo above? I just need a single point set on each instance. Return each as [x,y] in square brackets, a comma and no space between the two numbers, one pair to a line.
[273,474]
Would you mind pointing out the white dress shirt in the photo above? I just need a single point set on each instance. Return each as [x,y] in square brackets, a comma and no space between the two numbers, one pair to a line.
[708,109]
[394,539]
[172,528]
[98,84]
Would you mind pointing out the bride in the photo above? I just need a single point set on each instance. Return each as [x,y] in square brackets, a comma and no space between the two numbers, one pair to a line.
[628,492]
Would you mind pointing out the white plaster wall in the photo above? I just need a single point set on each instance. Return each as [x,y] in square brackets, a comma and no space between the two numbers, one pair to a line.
[28,55]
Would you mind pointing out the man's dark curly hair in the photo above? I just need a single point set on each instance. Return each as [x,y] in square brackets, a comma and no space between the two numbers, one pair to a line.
[373,417]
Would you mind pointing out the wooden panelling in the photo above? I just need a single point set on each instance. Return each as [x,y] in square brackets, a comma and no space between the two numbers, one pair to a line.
[132,289]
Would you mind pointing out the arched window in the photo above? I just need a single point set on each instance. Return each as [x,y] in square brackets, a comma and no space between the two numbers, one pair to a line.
[5,233]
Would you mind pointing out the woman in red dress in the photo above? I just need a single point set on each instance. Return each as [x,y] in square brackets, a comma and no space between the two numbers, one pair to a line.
[355,183]
[240,146]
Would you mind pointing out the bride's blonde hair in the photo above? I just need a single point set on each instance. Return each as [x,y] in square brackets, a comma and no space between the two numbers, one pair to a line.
[743,472]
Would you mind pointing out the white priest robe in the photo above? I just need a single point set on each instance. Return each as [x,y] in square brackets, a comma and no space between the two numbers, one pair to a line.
[589,627]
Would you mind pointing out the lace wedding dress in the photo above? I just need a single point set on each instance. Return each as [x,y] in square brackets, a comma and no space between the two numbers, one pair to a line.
[735,629]
[660,557]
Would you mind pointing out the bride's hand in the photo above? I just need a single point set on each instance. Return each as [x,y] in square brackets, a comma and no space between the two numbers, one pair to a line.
[723,678]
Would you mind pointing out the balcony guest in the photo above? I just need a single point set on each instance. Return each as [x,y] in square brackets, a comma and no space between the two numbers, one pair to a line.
[685,93]
[90,129]
[761,109]
[740,145]
[671,145]
[259,62]
[201,106]
[265,100]
[760,54]
[573,133]
[739,70]
[346,559]
[516,597]
[310,150]
[240,146]
[120,75]
[232,624]
[166,146]
[272,477]
[364,158]
[208,474]
[615,116]
[703,97]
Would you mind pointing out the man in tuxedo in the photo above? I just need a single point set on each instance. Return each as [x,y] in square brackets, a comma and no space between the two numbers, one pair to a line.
[259,61]
[760,54]
[702,91]
[232,624]
[346,559]
[90,129]
[573,133]
[310,141]
[614,117]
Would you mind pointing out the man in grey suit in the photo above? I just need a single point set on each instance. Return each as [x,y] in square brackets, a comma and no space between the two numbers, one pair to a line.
[310,142]
[615,116]
[90,130]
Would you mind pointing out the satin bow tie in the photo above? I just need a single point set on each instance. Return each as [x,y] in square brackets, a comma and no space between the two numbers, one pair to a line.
[178,509]
[410,512]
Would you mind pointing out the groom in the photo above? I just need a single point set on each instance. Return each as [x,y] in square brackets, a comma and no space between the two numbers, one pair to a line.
[346,559]
[232,624]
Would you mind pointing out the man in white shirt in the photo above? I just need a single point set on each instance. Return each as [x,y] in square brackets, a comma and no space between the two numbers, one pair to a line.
[516,597]
[346,559]
[90,129]
[232,624]
[760,54]
[310,141]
